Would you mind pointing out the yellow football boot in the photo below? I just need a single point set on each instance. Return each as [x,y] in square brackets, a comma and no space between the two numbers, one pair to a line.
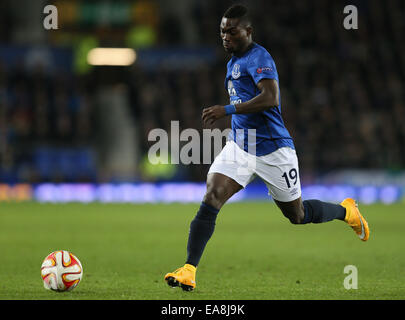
[184,277]
[355,219]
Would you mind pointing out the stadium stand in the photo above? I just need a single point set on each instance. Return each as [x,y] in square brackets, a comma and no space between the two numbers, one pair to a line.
[342,93]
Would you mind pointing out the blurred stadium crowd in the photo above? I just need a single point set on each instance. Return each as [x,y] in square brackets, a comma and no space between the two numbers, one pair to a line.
[343,95]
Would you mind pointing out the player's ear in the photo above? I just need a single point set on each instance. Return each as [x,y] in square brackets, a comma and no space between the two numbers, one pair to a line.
[249,30]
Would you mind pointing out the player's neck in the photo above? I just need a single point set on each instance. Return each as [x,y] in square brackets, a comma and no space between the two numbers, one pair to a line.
[244,50]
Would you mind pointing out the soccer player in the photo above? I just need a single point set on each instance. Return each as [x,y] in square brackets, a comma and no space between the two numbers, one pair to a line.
[258,133]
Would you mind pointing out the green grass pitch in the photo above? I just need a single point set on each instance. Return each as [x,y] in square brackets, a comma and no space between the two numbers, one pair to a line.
[254,254]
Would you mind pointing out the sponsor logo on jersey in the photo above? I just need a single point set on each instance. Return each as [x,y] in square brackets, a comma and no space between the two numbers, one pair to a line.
[260,70]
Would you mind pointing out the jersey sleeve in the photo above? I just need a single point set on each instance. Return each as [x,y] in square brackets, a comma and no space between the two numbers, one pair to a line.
[262,66]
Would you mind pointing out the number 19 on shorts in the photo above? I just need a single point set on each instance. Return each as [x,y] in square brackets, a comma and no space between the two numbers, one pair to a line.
[291,177]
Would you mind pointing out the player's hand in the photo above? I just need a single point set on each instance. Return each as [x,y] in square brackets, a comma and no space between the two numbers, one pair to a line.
[212,114]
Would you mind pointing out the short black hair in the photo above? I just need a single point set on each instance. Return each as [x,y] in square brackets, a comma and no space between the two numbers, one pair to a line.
[238,11]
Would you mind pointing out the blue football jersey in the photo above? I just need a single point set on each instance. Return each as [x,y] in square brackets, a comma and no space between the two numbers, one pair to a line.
[269,132]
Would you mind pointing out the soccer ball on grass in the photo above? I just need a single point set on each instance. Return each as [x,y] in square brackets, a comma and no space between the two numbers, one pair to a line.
[61,271]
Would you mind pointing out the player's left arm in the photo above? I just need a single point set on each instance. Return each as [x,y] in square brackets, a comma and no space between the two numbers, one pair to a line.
[267,98]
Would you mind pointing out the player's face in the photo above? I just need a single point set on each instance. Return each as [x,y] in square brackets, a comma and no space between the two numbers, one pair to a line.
[235,37]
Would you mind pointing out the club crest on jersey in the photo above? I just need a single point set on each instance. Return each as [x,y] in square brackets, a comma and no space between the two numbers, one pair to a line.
[236,71]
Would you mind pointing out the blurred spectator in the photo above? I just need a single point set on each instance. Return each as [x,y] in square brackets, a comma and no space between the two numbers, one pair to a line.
[40,110]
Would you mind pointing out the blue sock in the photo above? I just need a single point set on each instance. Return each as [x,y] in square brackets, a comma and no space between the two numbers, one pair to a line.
[201,229]
[318,211]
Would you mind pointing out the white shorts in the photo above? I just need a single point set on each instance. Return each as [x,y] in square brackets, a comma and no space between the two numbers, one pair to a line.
[278,170]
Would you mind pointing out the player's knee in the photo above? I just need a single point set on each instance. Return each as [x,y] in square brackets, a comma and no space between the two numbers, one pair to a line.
[215,197]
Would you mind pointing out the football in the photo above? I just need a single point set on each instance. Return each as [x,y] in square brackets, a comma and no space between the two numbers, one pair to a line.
[61,271]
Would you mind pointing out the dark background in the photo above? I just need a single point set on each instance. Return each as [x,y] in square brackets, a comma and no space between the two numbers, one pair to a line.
[62,120]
